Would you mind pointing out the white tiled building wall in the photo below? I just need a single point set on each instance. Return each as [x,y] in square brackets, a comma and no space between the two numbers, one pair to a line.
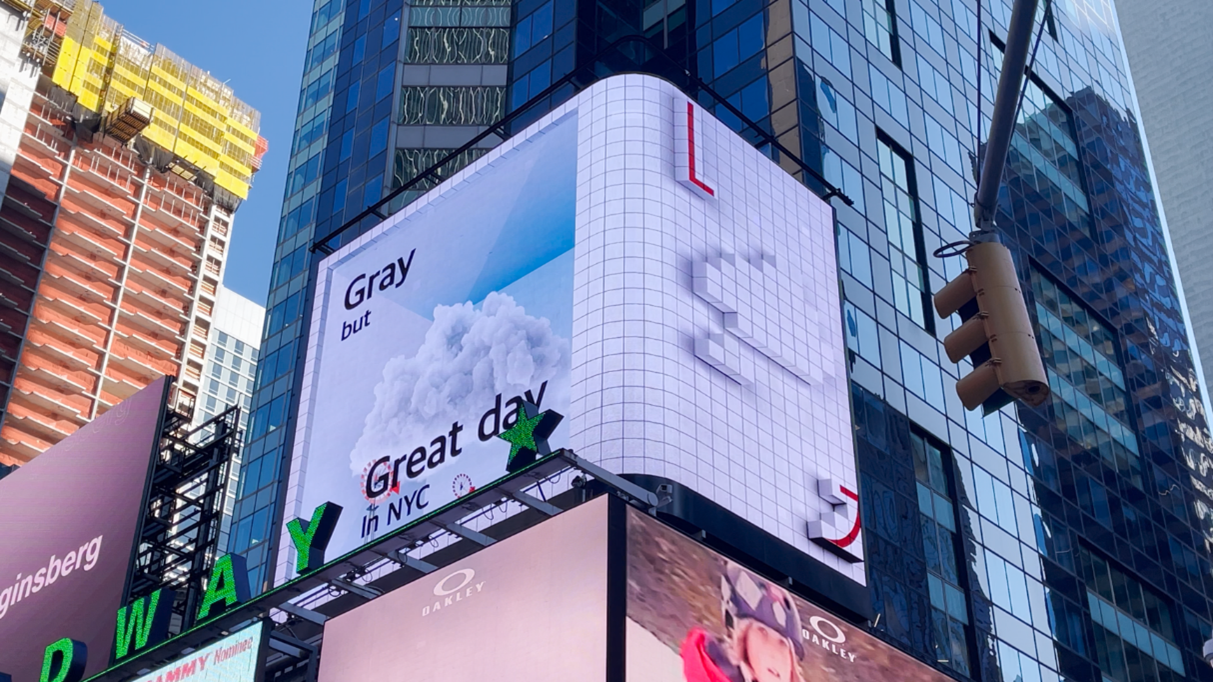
[756,442]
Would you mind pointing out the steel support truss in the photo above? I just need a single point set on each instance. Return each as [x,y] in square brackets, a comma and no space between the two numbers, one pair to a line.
[178,538]
[296,629]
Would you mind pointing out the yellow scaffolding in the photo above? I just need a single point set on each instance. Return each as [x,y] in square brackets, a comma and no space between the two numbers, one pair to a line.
[196,116]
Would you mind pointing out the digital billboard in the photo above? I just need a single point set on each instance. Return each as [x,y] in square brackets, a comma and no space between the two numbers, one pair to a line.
[695,616]
[628,262]
[235,658]
[531,608]
[69,522]
[428,336]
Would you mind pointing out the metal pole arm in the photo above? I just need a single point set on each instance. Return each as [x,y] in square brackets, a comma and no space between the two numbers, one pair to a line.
[1006,101]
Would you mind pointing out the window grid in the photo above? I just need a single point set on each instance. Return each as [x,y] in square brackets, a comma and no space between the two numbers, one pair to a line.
[880,27]
[1089,397]
[474,105]
[233,366]
[937,514]
[906,253]
[1134,635]
[1044,153]
[432,45]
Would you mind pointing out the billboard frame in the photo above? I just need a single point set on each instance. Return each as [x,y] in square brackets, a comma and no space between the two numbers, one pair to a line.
[513,487]
[662,507]
[191,459]
[812,418]
[152,459]
[617,590]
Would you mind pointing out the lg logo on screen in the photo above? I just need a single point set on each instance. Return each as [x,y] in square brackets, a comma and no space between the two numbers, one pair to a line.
[452,589]
[692,134]
[838,529]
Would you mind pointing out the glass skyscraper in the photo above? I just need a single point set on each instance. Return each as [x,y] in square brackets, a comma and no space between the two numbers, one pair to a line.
[1066,542]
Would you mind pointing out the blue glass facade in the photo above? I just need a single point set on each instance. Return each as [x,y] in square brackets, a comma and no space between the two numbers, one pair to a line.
[1068,542]
[257,493]
[338,160]
[1046,512]
[372,99]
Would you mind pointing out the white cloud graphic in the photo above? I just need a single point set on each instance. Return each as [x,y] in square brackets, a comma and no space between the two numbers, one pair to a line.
[470,354]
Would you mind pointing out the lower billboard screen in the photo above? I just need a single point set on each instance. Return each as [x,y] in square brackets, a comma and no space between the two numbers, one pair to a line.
[695,616]
[531,608]
[69,519]
[235,658]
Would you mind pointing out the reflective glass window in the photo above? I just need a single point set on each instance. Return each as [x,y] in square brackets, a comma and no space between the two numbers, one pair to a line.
[1089,395]
[907,258]
[937,515]
[880,27]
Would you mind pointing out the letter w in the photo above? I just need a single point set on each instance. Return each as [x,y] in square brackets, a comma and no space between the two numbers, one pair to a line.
[143,622]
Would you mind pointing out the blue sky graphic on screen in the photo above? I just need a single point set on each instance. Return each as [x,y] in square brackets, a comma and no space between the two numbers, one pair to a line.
[429,336]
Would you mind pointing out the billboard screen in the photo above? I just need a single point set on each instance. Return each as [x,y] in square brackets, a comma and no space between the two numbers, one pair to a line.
[235,658]
[695,616]
[69,521]
[531,608]
[635,266]
[427,337]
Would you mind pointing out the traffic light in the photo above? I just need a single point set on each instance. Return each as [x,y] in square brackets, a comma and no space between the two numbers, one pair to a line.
[996,333]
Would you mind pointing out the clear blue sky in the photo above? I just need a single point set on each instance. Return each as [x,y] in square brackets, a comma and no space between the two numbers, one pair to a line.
[258,47]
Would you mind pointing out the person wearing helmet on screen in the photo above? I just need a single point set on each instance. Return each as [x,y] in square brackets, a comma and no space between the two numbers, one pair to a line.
[763,641]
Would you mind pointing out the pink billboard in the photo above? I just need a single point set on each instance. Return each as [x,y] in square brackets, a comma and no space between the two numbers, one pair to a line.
[531,608]
[67,525]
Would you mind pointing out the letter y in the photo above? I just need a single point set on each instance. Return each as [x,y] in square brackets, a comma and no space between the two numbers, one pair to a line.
[312,539]
[404,267]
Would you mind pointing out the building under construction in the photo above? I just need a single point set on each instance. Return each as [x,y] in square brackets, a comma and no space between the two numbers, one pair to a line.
[116,221]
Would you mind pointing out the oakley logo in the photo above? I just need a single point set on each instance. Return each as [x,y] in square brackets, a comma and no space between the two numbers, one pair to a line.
[453,589]
[454,582]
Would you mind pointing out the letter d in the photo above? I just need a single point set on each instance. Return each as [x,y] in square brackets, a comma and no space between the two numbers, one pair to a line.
[64,661]
[496,414]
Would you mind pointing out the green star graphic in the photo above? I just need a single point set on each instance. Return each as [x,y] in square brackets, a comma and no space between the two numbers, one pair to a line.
[528,437]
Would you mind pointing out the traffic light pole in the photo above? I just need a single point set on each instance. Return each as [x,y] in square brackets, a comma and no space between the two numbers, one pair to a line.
[996,332]
[1002,124]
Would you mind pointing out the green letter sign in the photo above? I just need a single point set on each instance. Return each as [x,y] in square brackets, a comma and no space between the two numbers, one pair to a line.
[227,587]
[64,661]
[143,622]
[312,539]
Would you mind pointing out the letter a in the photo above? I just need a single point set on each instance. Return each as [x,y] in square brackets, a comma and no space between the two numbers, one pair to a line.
[143,622]
[227,587]
[64,661]
[311,540]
